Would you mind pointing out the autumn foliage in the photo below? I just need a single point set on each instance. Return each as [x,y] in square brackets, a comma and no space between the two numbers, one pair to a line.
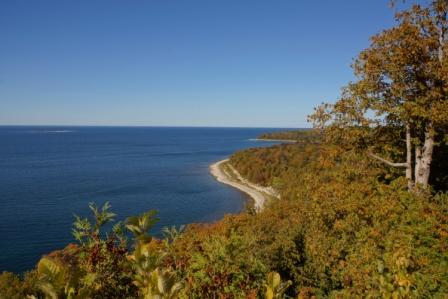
[363,211]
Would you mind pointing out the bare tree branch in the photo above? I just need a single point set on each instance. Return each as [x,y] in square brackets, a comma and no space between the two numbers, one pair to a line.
[386,161]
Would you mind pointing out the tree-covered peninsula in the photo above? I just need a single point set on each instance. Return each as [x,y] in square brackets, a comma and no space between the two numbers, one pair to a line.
[362,212]
[291,135]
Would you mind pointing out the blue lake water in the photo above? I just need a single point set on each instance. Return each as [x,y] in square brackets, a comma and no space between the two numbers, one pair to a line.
[47,174]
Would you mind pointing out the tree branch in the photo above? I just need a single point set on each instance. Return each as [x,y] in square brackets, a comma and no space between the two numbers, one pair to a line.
[386,161]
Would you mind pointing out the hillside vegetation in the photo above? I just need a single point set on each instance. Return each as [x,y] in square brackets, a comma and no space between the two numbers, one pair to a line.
[345,226]
[363,210]
[293,135]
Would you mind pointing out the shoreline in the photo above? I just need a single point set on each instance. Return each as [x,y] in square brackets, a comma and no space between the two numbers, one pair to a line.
[274,140]
[259,194]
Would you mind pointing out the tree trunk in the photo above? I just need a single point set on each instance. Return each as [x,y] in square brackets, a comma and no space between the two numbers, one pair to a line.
[418,161]
[423,158]
[409,157]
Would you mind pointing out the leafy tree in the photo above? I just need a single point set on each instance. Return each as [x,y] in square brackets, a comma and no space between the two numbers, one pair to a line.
[402,89]
[152,281]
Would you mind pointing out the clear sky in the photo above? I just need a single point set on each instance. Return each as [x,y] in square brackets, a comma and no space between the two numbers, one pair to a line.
[251,63]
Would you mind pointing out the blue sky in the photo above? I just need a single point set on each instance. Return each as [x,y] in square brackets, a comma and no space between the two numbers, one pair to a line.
[244,63]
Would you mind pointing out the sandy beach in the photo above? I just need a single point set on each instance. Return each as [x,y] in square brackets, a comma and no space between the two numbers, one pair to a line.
[226,174]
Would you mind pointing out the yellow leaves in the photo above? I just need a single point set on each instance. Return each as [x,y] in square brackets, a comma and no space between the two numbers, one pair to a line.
[152,281]
[401,79]
[269,294]
[305,293]
[402,262]
[443,233]
[402,280]
[273,280]
[52,270]
[161,284]
[56,280]
[275,288]
[52,276]
[375,233]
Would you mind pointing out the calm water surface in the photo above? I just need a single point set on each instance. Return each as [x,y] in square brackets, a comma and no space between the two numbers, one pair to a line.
[47,174]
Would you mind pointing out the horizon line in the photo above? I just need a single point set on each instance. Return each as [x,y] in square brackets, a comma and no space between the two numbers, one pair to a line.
[151,126]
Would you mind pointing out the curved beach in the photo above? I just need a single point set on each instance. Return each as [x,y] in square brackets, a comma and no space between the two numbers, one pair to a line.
[226,174]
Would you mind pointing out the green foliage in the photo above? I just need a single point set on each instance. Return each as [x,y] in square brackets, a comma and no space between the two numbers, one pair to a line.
[172,234]
[160,284]
[339,215]
[102,257]
[146,259]
[301,136]
[344,227]
[84,231]
[401,89]
[275,288]
[56,280]
[13,287]
[139,226]
[102,216]
[218,265]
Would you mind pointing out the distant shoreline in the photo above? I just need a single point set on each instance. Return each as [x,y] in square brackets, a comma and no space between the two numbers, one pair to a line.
[274,140]
[224,173]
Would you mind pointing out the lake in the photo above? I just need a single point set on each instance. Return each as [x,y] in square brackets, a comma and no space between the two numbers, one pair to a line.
[48,174]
